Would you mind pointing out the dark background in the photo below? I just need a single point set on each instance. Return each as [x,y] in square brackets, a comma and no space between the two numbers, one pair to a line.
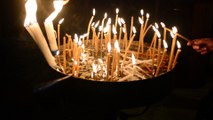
[24,66]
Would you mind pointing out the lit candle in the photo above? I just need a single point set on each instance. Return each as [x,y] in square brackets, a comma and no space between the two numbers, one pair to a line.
[114,33]
[162,58]
[159,46]
[174,35]
[109,32]
[89,25]
[120,30]
[94,70]
[130,42]
[164,30]
[58,5]
[59,24]
[75,51]
[117,57]
[51,36]
[141,41]
[125,42]
[116,18]
[177,53]
[147,19]
[34,29]
[74,72]
[108,59]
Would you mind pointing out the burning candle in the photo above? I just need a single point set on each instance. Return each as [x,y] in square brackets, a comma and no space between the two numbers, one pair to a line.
[89,25]
[114,33]
[177,53]
[117,57]
[147,19]
[174,35]
[159,46]
[125,42]
[130,42]
[59,24]
[58,5]
[164,30]
[162,58]
[51,36]
[34,29]
[116,18]
[108,59]
[141,40]
[94,70]
[120,30]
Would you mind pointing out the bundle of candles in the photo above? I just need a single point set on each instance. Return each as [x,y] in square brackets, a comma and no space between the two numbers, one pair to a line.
[108,53]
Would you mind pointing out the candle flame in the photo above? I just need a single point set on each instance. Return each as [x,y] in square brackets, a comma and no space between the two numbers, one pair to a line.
[147,15]
[75,62]
[79,42]
[119,22]
[140,20]
[174,30]
[60,21]
[105,15]
[133,59]
[76,38]
[100,61]
[178,44]
[154,28]
[93,12]
[106,29]
[93,23]
[122,21]
[114,30]
[172,34]
[85,35]
[156,25]
[142,12]
[58,5]
[108,47]
[134,29]
[109,21]
[163,25]
[117,10]
[31,9]
[165,44]
[100,28]
[97,23]
[158,33]
[116,45]
[94,67]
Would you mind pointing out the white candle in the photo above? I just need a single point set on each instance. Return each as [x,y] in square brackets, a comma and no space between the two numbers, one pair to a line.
[51,36]
[177,53]
[35,31]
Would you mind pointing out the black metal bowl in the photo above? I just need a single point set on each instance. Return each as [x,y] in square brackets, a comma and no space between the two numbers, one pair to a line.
[80,92]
